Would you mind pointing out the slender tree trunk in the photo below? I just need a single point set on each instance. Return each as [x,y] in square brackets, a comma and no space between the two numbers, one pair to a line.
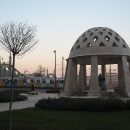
[11,98]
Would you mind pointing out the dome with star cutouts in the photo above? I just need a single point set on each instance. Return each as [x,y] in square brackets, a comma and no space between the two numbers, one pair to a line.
[99,41]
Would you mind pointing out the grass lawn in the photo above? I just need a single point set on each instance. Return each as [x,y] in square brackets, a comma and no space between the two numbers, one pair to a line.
[37,119]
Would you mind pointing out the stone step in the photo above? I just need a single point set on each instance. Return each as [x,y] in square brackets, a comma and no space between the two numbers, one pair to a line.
[32,93]
[87,88]
[82,93]
[107,94]
[62,94]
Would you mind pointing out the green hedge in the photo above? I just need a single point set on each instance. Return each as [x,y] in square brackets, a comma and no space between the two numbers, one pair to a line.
[53,91]
[128,104]
[83,104]
[5,95]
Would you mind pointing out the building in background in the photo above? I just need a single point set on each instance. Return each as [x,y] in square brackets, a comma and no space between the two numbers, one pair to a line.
[111,80]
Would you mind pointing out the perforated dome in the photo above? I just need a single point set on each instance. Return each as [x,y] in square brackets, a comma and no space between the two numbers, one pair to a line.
[99,41]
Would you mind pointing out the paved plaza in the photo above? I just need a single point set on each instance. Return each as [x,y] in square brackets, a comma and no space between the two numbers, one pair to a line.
[32,99]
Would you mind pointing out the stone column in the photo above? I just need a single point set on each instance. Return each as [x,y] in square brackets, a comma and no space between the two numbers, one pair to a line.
[82,78]
[123,75]
[70,77]
[120,75]
[94,86]
[85,76]
[65,74]
[129,66]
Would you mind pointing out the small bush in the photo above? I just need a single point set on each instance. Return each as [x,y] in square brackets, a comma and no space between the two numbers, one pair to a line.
[53,91]
[128,104]
[81,104]
[6,95]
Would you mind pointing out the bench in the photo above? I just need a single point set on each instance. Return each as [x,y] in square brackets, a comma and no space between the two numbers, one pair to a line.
[32,93]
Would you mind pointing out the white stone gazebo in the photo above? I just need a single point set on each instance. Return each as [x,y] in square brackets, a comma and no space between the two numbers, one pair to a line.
[97,46]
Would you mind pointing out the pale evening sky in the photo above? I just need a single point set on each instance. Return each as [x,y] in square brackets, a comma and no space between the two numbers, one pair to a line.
[59,24]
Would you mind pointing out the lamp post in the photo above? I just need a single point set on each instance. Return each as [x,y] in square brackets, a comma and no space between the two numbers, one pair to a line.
[62,67]
[0,67]
[55,67]
[110,73]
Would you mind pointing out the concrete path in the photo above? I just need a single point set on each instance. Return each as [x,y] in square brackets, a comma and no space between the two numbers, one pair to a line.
[32,99]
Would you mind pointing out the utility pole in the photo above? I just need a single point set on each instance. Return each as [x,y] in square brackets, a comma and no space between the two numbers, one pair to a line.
[62,67]
[55,67]
[47,73]
[0,67]
[10,63]
[110,73]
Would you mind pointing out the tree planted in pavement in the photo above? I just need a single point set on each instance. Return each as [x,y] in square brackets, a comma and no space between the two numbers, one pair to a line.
[16,38]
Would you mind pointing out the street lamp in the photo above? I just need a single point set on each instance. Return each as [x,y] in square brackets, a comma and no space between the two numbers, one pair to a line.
[55,67]
[110,72]
[0,67]
[62,67]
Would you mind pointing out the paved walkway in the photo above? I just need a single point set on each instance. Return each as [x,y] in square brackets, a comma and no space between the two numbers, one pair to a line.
[32,99]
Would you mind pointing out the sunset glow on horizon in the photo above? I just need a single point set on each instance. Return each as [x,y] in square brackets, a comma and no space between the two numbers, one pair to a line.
[59,24]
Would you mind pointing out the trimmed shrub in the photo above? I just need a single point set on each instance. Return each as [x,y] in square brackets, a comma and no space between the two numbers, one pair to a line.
[128,104]
[53,91]
[5,95]
[78,104]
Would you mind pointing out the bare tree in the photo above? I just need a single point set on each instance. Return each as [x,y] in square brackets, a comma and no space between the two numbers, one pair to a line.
[16,38]
[40,71]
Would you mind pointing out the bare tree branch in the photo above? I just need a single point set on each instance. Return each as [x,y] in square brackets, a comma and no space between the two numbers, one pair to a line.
[40,70]
[17,38]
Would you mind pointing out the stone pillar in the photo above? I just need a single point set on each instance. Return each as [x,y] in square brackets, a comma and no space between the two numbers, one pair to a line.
[120,75]
[82,78]
[123,75]
[129,66]
[94,85]
[85,76]
[65,74]
[70,77]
